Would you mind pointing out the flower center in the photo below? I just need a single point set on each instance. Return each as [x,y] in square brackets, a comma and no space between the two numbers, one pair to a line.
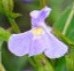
[37,31]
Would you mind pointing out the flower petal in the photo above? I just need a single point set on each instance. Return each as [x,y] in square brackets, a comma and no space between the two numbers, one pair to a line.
[56,49]
[34,14]
[38,16]
[44,13]
[19,44]
[39,45]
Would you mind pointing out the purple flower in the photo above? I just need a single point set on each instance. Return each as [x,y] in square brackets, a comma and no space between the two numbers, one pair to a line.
[37,40]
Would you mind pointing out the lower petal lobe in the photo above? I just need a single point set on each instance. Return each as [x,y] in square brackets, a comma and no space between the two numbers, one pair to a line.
[57,48]
[19,44]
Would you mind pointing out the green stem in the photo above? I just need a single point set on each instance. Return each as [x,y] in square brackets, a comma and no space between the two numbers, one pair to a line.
[10,19]
[14,25]
[1,65]
[0,56]
[63,38]
[37,60]
[43,3]
[31,62]
[42,63]
[1,51]
[68,21]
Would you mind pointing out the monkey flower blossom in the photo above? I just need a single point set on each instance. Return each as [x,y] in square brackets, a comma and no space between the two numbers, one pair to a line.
[38,39]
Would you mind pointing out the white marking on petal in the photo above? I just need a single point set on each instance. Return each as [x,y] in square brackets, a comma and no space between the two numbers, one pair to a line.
[34,13]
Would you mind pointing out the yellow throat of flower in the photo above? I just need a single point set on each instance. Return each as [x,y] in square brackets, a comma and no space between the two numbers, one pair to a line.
[37,31]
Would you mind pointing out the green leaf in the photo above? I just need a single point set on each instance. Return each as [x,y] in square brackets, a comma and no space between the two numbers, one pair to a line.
[1,7]
[14,25]
[62,20]
[43,64]
[63,38]
[70,60]
[12,62]
[4,35]
[70,30]
[58,7]
[60,64]
[7,5]
[65,22]
[15,15]
[2,68]
[1,42]
[66,25]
